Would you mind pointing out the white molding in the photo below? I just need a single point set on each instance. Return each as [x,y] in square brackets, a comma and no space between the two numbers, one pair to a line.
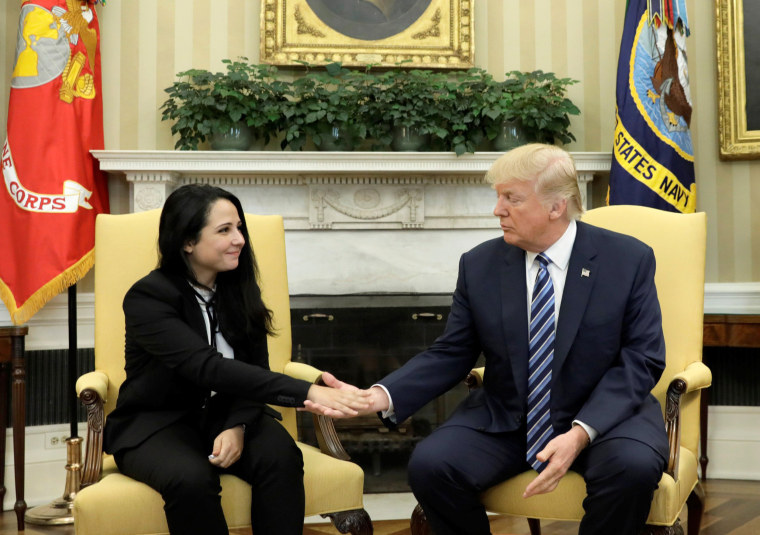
[283,162]
[733,443]
[49,328]
[732,298]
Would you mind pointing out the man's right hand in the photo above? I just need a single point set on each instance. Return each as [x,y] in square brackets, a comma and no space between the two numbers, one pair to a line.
[376,398]
[337,399]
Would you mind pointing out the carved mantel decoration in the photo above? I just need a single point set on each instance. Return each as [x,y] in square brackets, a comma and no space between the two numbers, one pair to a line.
[338,202]
[419,33]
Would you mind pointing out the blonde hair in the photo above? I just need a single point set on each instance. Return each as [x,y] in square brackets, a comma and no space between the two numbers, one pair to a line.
[551,167]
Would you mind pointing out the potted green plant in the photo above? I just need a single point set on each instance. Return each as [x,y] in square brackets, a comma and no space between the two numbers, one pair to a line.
[239,105]
[527,106]
[409,102]
[325,107]
[338,108]
[266,102]
[464,111]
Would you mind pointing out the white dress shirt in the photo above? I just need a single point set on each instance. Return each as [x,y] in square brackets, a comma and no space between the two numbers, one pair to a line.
[203,296]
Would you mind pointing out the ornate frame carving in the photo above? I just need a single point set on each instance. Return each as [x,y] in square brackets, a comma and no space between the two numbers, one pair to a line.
[441,37]
[736,141]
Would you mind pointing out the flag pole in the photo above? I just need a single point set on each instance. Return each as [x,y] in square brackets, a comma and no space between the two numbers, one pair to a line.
[60,511]
[72,368]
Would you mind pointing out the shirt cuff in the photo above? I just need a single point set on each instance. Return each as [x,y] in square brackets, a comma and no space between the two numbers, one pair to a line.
[389,414]
[592,433]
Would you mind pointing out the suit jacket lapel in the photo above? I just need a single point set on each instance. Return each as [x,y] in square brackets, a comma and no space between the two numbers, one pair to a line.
[192,307]
[514,300]
[581,273]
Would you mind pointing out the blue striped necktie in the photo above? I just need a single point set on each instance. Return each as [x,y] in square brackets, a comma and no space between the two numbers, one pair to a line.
[541,352]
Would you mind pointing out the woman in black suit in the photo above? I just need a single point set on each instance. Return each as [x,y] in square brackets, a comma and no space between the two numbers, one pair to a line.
[193,402]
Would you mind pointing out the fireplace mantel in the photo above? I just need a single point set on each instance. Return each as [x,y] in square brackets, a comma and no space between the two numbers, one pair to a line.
[193,163]
[333,190]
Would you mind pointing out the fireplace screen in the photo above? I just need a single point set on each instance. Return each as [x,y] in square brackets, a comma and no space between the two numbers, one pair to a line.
[360,340]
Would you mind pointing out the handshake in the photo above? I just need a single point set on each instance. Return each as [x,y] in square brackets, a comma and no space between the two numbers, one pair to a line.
[342,400]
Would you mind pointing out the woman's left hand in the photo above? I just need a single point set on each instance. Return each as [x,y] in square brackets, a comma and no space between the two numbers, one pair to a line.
[228,446]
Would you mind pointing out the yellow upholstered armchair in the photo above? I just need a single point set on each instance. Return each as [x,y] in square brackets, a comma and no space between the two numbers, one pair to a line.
[110,503]
[679,246]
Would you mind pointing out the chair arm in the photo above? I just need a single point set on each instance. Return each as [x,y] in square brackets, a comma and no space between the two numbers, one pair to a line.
[299,370]
[695,377]
[91,389]
[327,436]
[474,379]
[97,381]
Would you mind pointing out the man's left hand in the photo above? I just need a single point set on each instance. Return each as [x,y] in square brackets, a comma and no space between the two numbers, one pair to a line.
[560,451]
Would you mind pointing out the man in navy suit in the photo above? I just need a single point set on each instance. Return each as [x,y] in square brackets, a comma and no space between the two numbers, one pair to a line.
[608,354]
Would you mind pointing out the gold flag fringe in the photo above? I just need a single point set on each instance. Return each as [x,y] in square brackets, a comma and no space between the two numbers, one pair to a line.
[22,314]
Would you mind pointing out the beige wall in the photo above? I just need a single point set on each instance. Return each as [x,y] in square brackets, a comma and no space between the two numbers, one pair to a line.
[145,42]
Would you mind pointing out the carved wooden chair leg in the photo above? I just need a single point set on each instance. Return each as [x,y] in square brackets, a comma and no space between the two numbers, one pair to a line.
[696,505]
[535,526]
[418,524]
[355,522]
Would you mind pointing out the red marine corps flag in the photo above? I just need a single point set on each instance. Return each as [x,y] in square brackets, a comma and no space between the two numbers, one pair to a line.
[53,189]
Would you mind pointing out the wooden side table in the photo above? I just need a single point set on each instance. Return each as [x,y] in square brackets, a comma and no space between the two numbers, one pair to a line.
[12,357]
[724,330]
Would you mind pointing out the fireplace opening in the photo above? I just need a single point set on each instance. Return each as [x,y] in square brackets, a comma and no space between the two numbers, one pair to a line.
[360,339]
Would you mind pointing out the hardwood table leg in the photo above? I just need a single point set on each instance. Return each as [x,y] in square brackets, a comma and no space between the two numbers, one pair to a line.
[18,393]
[18,400]
[5,364]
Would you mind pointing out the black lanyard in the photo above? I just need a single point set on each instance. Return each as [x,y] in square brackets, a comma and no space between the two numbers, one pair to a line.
[211,314]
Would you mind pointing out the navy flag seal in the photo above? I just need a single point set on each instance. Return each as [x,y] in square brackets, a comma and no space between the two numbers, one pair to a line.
[653,155]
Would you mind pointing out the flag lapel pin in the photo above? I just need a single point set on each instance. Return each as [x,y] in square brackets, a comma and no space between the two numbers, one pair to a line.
[585,272]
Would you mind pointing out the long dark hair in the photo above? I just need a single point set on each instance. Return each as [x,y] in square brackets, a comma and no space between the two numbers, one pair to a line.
[238,296]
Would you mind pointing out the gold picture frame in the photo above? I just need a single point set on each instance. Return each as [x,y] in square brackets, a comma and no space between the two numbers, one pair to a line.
[416,33]
[738,130]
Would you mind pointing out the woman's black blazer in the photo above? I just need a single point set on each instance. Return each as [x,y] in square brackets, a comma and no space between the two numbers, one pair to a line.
[172,369]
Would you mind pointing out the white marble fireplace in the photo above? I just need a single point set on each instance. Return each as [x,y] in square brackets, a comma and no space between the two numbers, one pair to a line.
[356,222]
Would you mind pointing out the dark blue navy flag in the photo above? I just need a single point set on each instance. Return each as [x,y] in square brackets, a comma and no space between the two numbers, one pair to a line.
[652,154]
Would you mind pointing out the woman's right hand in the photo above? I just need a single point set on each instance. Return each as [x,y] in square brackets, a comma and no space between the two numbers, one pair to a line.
[344,401]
